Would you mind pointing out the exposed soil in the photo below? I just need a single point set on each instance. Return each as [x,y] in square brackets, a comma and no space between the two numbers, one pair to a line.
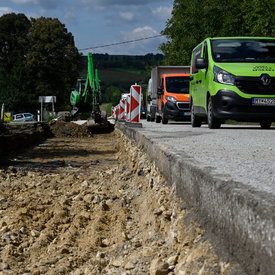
[61,128]
[96,205]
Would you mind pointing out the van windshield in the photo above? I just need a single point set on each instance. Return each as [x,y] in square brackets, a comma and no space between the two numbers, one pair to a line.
[243,50]
[177,84]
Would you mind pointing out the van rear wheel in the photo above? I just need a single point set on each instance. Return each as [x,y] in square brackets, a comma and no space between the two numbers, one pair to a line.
[195,120]
[213,122]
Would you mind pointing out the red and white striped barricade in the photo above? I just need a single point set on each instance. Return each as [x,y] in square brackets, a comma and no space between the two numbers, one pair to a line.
[117,107]
[113,112]
[121,115]
[135,104]
[127,109]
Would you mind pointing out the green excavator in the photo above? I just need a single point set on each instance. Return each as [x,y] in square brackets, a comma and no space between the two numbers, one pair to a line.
[87,95]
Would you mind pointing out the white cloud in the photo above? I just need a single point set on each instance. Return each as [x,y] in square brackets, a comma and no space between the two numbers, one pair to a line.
[128,16]
[106,4]
[5,10]
[138,33]
[163,13]
[23,2]
[141,47]
[70,17]
[46,4]
[120,2]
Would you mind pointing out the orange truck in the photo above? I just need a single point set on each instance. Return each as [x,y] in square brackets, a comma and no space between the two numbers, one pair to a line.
[168,94]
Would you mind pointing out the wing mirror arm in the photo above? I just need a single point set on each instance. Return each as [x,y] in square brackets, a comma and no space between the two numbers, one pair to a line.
[201,63]
[160,91]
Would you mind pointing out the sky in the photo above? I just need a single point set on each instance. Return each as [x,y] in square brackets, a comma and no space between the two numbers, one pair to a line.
[102,22]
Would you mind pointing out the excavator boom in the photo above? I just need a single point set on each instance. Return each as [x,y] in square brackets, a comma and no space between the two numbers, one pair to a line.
[87,99]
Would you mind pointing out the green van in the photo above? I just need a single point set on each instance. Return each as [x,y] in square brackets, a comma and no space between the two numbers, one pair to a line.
[233,78]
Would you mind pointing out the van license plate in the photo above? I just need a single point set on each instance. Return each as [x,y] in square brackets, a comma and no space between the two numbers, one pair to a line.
[187,113]
[260,101]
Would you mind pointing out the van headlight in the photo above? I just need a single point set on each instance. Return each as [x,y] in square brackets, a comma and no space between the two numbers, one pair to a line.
[172,99]
[222,76]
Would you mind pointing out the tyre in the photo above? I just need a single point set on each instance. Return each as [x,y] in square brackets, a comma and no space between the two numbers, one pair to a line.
[265,124]
[213,122]
[148,118]
[195,120]
[164,117]
[158,119]
[164,120]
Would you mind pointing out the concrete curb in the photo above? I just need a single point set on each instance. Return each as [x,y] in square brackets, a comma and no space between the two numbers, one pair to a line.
[241,219]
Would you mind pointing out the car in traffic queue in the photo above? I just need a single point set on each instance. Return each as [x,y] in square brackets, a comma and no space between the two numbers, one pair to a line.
[233,78]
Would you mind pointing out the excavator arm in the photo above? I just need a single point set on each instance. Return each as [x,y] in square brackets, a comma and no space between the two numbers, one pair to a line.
[88,99]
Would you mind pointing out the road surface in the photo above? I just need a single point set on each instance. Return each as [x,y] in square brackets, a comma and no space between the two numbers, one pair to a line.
[243,153]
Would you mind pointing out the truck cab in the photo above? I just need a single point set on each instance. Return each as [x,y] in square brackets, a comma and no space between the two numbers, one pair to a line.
[173,97]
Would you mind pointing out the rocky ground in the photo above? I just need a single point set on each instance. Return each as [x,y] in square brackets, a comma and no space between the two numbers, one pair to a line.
[96,205]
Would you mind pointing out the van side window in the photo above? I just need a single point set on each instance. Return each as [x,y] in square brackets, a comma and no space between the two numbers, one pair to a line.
[196,54]
[205,52]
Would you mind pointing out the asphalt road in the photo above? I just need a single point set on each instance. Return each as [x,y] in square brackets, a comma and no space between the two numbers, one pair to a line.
[243,153]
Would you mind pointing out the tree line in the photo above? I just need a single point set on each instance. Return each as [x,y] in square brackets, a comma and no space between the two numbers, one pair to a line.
[194,20]
[38,57]
[136,62]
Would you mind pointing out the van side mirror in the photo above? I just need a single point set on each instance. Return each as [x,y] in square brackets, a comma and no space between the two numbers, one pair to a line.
[201,63]
[160,91]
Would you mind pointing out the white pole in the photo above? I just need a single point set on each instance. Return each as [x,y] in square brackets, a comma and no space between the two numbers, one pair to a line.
[41,115]
[2,111]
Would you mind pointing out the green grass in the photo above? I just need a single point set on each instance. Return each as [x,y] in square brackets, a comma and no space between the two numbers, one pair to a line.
[119,78]
[106,107]
[130,70]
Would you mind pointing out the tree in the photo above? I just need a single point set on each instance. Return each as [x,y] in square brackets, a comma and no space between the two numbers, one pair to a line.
[38,57]
[14,29]
[112,94]
[194,20]
[53,61]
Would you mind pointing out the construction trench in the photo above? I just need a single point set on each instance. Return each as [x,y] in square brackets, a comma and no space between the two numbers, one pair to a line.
[85,203]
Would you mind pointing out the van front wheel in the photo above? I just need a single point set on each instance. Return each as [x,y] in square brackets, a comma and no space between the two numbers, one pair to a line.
[195,120]
[158,119]
[213,122]
[164,116]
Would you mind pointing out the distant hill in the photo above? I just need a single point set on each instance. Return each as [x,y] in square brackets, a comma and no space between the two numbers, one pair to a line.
[118,72]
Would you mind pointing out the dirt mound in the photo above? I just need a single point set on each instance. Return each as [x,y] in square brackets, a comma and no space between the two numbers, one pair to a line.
[69,129]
